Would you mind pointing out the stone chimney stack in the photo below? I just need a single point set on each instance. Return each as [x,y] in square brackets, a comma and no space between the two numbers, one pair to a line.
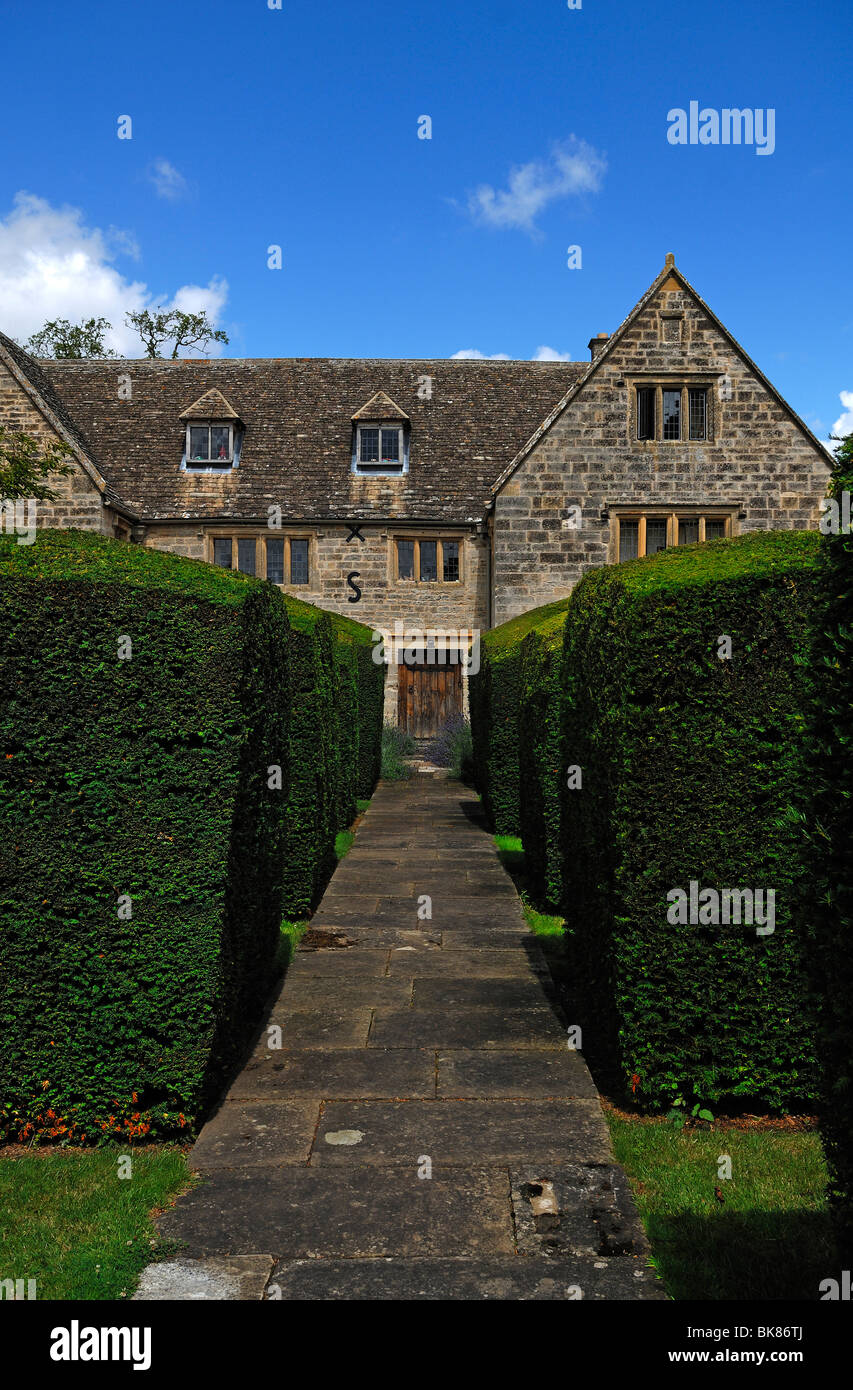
[596,344]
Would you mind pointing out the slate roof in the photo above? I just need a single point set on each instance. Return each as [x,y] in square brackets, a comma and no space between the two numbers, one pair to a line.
[297,446]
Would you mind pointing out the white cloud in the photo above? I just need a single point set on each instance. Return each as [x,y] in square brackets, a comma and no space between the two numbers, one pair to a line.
[844,423]
[475,355]
[167,180]
[542,354]
[574,167]
[53,266]
[549,354]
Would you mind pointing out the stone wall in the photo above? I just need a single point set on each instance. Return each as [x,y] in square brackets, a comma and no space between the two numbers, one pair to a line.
[757,461]
[78,500]
[384,601]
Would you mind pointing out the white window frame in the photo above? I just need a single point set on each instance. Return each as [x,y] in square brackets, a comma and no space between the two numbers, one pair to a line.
[215,465]
[380,466]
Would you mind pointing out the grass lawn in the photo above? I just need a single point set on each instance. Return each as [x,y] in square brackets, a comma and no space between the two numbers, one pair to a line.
[769,1238]
[71,1223]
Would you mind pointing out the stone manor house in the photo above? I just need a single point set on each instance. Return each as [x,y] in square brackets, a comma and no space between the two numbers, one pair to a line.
[431,495]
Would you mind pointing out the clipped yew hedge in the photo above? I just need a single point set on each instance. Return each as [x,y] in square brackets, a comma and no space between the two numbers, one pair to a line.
[336,735]
[494,696]
[690,765]
[135,785]
[541,759]
[827,905]
[152,785]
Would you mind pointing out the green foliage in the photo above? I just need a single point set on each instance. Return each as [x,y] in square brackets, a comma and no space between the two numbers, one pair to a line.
[690,764]
[397,746]
[826,818]
[27,463]
[371,703]
[338,691]
[158,327]
[494,695]
[541,760]
[144,777]
[451,748]
[61,339]
[150,778]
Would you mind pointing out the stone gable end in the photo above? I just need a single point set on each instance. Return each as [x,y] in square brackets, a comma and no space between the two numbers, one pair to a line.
[757,460]
[78,501]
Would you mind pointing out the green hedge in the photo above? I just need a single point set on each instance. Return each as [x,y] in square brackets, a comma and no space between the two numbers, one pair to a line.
[828,817]
[336,731]
[145,777]
[690,765]
[541,760]
[493,696]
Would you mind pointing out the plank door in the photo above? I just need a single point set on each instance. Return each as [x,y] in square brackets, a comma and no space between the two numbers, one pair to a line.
[428,696]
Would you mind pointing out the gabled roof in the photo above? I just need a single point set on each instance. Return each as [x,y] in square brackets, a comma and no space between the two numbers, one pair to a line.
[30,376]
[298,420]
[211,406]
[679,281]
[380,407]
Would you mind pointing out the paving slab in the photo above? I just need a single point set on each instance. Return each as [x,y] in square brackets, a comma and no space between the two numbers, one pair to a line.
[322,1213]
[511,1279]
[356,931]
[457,938]
[449,992]
[318,1027]
[468,1027]
[471,963]
[310,992]
[400,1038]
[244,1135]
[462,1133]
[356,963]
[339,1075]
[243,1277]
[533,1075]
[581,1208]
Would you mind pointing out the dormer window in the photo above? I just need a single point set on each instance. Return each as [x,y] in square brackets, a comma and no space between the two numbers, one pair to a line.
[213,434]
[380,437]
[380,445]
[210,444]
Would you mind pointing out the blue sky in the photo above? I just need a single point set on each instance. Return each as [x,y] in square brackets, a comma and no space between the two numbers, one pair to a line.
[298,127]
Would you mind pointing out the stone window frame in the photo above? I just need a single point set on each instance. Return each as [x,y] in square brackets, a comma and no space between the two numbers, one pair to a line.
[667,317]
[235,533]
[210,466]
[691,511]
[440,537]
[683,383]
[380,469]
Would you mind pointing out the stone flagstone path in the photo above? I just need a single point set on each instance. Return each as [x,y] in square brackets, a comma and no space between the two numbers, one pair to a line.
[411,1047]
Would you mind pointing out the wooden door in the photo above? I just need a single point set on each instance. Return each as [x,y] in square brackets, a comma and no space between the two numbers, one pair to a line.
[428,696]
